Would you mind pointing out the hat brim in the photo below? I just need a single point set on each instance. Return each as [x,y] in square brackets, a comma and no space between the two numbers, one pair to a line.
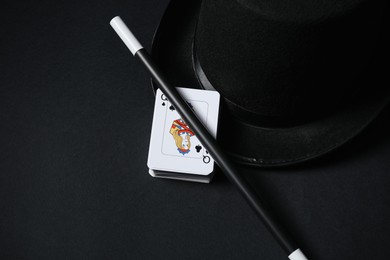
[263,146]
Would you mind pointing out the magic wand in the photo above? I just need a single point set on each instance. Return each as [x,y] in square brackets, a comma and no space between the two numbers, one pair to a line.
[227,167]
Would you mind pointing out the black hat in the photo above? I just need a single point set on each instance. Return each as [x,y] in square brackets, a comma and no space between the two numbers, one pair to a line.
[297,79]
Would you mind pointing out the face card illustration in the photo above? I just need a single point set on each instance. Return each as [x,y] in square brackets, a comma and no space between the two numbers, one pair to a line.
[178,139]
[182,134]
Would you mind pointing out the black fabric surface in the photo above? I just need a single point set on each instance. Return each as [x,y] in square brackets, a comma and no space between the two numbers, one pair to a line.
[76,113]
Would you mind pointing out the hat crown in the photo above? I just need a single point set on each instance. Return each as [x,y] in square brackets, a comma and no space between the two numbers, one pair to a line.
[284,60]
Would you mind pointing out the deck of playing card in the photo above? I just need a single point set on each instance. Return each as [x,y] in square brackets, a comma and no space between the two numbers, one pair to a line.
[175,151]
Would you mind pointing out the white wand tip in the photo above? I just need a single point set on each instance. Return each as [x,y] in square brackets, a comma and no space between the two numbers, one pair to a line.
[125,34]
[297,255]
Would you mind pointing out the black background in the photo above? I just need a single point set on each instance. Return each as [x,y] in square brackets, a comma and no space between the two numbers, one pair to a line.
[75,118]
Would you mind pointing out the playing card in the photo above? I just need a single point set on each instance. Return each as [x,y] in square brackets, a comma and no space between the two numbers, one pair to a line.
[174,147]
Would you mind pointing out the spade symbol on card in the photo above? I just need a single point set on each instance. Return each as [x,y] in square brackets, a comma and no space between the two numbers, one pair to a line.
[198,148]
[163,104]
[172,108]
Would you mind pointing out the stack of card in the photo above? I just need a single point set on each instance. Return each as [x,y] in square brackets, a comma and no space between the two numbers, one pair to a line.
[175,151]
